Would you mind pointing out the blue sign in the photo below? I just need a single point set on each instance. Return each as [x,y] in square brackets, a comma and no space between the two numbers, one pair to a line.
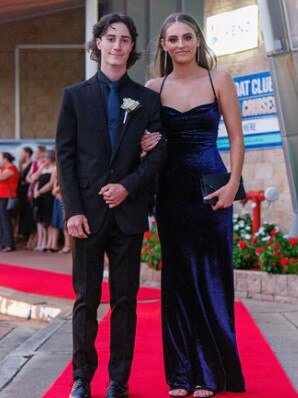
[258,113]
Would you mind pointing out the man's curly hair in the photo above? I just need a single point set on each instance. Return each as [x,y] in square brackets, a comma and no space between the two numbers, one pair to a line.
[100,28]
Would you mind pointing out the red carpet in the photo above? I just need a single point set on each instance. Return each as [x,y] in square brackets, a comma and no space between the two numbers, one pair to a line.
[264,376]
[53,284]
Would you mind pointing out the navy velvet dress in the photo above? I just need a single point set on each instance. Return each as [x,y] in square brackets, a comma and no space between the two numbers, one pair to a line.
[197,275]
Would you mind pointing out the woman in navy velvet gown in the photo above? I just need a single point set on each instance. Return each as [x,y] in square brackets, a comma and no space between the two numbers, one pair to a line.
[200,350]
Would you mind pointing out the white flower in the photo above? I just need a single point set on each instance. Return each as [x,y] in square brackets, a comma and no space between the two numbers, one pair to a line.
[129,105]
[265,238]
[236,227]
[241,223]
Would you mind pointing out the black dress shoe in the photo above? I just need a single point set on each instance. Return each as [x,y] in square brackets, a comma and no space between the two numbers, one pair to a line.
[80,389]
[117,390]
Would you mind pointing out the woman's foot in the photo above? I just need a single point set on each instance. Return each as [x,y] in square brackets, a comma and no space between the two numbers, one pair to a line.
[39,249]
[50,249]
[178,392]
[202,392]
[65,250]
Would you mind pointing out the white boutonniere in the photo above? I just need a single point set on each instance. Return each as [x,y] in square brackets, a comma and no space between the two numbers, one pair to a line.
[129,105]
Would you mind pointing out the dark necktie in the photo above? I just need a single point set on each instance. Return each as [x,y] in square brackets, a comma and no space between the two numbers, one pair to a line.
[113,112]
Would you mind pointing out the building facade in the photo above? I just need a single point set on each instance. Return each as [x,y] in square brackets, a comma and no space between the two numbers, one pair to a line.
[42,51]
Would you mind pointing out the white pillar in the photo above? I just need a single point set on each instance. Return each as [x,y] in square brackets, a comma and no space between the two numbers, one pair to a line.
[17,100]
[91,17]
[267,25]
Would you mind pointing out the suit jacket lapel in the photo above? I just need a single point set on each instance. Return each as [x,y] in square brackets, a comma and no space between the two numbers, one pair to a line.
[132,93]
[99,110]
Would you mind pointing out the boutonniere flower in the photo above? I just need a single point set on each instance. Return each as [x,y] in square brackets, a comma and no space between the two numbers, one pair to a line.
[129,105]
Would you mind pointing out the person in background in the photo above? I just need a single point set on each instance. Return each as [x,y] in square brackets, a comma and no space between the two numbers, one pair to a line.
[200,349]
[57,218]
[26,223]
[46,233]
[9,177]
[32,177]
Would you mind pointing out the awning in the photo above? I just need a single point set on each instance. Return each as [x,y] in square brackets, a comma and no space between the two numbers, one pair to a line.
[14,10]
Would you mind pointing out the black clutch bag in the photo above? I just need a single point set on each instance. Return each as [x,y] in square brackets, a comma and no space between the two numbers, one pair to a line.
[212,182]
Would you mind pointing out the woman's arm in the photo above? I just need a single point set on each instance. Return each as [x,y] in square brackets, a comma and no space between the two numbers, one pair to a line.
[56,188]
[230,109]
[28,176]
[151,139]
[229,106]
[35,176]
[6,174]
[49,185]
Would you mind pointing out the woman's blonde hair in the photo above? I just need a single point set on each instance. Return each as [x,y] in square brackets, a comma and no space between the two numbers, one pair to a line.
[204,56]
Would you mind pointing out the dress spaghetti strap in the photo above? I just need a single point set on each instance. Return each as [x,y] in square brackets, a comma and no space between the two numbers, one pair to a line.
[215,97]
[162,84]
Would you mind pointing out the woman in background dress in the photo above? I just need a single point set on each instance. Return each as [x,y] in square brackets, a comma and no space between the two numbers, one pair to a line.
[26,225]
[200,350]
[47,235]
[9,177]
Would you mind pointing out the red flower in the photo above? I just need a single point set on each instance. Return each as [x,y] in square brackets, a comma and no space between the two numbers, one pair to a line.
[293,241]
[270,240]
[276,246]
[254,240]
[284,261]
[259,250]
[292,260]
[273,232]
[242,244]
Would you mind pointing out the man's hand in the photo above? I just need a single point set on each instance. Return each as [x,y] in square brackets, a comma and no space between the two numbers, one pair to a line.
[113,194]
[78,226]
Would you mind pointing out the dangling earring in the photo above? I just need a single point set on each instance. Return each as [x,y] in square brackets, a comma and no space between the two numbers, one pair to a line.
[165,61]
[198,56]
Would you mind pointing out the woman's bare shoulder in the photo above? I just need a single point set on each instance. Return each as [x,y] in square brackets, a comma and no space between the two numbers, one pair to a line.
[221,78]
[155,84]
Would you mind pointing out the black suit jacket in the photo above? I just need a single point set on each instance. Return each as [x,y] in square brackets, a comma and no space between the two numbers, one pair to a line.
[86,162]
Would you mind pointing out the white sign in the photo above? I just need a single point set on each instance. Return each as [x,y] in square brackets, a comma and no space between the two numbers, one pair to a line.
[233,31]
[258,113]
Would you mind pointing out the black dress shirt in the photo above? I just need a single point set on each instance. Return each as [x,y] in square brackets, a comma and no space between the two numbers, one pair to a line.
[104,82]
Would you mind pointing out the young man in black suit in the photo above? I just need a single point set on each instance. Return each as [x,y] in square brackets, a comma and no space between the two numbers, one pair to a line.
[104,184]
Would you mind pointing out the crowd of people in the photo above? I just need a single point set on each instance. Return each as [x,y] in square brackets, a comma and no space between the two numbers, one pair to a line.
[30,202]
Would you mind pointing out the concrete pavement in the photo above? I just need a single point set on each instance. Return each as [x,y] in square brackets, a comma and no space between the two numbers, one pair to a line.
[32,355]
